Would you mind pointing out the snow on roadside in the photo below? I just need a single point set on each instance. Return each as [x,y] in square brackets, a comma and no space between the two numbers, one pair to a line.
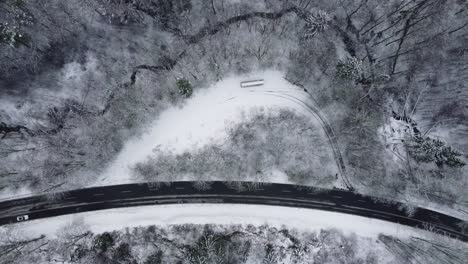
[9,194]
[224,214]
[202,120]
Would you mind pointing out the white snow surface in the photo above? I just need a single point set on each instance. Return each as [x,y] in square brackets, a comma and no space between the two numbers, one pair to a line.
[203,120]
[223,214]
[9,194]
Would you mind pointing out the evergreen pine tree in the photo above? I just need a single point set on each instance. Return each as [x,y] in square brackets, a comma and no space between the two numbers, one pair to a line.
[351,68]
[429,150]
[185,87]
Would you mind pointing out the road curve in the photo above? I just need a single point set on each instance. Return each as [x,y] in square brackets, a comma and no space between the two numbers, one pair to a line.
[127,195]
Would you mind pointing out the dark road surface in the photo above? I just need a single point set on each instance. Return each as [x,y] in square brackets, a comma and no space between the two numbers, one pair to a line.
[127,195]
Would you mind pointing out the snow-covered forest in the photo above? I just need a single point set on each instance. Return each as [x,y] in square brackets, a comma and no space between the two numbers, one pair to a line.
[217,244]
[79,79]
[365,95]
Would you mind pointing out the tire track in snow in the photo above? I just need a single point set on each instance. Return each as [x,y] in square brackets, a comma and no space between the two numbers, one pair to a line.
[326,127]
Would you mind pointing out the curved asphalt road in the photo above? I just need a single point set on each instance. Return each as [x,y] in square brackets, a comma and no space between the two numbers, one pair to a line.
[127,195]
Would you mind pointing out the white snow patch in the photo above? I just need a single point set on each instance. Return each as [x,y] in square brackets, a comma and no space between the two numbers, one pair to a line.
[11,194]
[224,214]
[277,176]
[393,133]
[203,120]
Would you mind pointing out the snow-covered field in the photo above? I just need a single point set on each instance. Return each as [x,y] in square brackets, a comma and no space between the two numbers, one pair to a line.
[164,215]
[203,120]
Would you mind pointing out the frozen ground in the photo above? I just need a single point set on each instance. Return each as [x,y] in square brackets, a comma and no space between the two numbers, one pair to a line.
[204,119]
[164,215]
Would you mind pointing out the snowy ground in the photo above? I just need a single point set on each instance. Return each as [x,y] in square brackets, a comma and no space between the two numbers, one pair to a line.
[164,215]
[8,194]
[204,118]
